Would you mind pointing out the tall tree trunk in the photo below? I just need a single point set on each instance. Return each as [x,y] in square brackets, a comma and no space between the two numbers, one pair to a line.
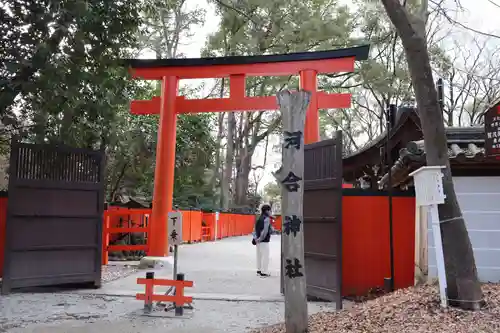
[242,174]
[243,160]
[249,137]
[217,174]
[228,165]
[218,152]
[464,289]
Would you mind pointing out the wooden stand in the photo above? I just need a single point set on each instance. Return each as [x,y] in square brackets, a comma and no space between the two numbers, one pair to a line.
[293,107]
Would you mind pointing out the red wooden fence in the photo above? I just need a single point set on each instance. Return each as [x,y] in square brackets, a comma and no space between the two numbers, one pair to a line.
[3,218]
[137,221]
[365,241]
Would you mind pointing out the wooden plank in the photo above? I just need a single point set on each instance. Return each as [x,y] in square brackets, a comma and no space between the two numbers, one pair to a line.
[112,248]
[126,211]
[293,106]
[166,282]
[126,230]
[233,103]
[167,298]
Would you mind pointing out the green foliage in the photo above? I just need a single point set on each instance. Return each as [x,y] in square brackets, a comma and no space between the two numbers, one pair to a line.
[385,72]
[131,162]
[382,79]
[62,82]
[272,192]
[281,26]
[60,64]
[167,25]
[194,156]
[256,27]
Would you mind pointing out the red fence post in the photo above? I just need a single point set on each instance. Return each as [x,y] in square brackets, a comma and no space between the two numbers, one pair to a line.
[196,225]
[148,303]
[149,297]
[179,292]
[186,227]
[105,239]
[3,221]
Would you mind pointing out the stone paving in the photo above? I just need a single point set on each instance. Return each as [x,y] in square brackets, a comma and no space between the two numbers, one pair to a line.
[224,275]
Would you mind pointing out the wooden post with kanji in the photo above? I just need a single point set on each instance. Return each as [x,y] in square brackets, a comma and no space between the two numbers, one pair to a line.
[293,106]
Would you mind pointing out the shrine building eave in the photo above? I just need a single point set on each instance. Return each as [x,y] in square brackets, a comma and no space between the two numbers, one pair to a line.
[359,163]
[465,151]
[331,61]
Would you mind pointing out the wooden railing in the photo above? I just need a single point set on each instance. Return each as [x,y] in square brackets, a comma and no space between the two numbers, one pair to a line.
[113,218]
[197,226]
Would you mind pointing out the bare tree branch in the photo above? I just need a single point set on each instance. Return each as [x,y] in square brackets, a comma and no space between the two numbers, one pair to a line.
[444,12]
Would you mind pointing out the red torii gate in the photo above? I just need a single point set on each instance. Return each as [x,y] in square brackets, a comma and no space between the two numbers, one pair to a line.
[237,68]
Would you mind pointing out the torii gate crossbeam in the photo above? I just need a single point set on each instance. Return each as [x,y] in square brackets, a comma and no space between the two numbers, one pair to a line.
[306,64]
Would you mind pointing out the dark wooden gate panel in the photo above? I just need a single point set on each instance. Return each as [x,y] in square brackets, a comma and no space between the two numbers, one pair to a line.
[323,219]
[54,216]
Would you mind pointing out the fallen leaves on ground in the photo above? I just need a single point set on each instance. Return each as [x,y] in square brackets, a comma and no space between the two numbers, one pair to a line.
[372,294]
[407,311]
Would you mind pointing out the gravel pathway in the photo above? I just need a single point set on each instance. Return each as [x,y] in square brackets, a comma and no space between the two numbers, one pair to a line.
[70,313]
[114,272]
[223,267]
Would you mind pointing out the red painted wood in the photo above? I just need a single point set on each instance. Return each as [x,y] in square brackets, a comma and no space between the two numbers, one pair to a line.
[184,105]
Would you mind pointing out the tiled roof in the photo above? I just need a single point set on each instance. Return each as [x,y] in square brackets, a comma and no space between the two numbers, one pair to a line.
[465,144]
[471,152]
[460,152]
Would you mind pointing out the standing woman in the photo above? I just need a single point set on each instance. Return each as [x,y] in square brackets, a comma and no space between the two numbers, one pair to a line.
[262,236]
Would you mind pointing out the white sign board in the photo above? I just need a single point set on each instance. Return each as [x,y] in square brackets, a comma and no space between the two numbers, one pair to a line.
[276,208]
[174,228]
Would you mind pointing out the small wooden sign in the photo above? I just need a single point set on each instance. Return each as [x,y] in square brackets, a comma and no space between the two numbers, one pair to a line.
[492,131]
[174,228]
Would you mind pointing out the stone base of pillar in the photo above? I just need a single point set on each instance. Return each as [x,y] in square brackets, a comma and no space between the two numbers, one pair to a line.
[156,262]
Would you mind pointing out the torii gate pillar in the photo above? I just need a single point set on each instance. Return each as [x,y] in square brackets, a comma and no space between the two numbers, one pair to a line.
[164,168]
[309,82]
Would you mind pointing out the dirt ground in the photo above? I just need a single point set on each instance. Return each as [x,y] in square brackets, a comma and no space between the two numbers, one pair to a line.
[410,310]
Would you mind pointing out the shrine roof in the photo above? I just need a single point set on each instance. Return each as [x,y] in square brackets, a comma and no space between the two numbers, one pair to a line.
[406,128]
[465,150]
[357,52]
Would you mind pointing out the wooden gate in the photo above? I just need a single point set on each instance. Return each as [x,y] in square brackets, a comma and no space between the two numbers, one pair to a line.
[54,216]
[323,219]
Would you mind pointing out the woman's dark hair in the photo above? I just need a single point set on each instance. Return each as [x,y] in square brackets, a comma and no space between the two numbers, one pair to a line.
[265,208]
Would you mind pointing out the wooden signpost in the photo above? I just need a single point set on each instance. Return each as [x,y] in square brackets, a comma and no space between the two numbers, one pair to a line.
[293,106]
[175,228]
